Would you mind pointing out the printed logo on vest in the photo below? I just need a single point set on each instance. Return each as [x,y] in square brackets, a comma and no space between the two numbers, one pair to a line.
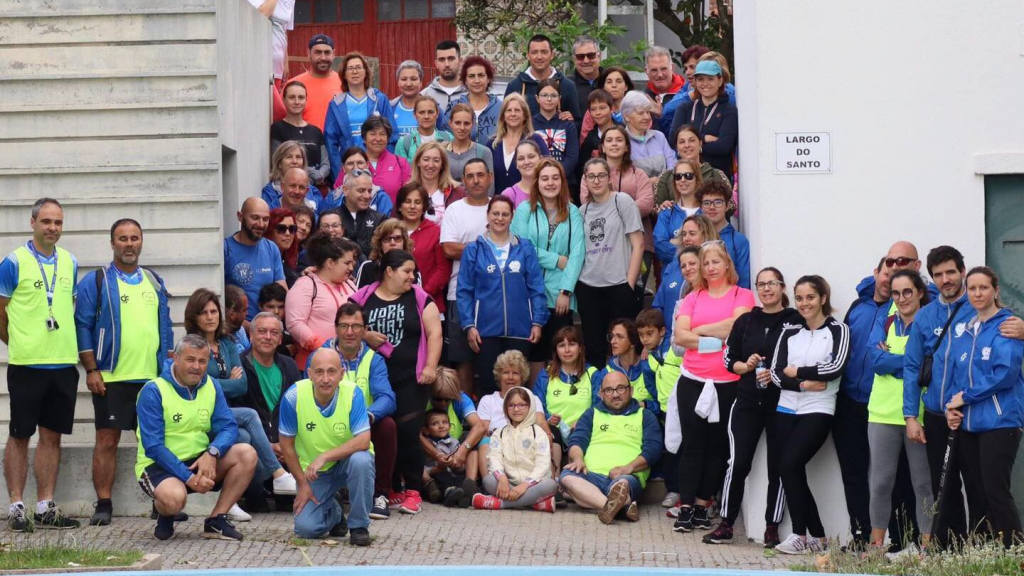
[38,284]
[149,297]
[204,415]
[557,393]
[340,428]
[176,418]
[124,298]
[604,427]
[310,426]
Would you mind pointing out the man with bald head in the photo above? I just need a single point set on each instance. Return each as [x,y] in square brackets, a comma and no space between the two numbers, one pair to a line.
[296,190]
[250,260]
[611,451]
[325,440]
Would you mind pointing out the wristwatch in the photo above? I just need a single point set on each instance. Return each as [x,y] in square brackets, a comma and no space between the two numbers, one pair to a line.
[213,451]
[566,293]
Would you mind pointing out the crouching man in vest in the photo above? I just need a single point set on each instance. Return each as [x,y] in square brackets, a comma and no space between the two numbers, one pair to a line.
[325,438]
[611,452]
[178,413]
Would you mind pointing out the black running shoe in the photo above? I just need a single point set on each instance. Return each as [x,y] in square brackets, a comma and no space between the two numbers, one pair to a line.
[700,518]
[54,519]
[360,537]
[720,535]
[340,529]
[453,495]
[684,523]
[164,527]
[104,511]
[220,528]
[18,520]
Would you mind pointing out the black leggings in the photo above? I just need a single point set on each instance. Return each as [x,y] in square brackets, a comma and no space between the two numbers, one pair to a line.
[804,435]
[597,308]
[746,423]
[987,462]
[412,400]
[704,454]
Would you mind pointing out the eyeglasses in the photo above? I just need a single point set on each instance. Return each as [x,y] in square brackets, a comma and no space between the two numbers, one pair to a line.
[393,238]
[905,294]
[712,243]
[596,177]
[518,406]
[716,203]
[684,176]
[285,229]
[547,96]
[354,68]
[342,327]
[621,389]
[613,336]
[900,261]
[768,284]
[586,56]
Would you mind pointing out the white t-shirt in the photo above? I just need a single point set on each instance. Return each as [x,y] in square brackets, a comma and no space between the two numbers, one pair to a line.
[462,224]
[492,408]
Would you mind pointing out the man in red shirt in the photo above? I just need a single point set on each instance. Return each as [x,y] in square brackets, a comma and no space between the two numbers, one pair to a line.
[321,81]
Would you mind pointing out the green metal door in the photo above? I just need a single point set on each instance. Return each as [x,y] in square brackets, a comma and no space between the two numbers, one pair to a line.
[1004,252]
[1004,236]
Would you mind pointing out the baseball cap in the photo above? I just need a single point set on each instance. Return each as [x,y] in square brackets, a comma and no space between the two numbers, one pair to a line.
[321,39]
[708,68]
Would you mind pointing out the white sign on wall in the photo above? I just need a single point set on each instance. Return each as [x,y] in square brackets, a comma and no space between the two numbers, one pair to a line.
[803,152]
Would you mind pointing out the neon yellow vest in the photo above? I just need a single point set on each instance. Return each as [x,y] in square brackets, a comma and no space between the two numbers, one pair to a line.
[885,405]
[140,332]
[570,406]
[640,392]
[616,441]
[666,375]
[453,419]
[317,433]
[187,423]
[30,343]
[361,379]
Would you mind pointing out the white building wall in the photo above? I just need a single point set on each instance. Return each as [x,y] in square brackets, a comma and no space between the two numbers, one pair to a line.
[125,109]
[921,98]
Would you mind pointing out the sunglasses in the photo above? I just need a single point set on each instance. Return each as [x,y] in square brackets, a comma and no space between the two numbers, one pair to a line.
[586,56]
[712,243]
[901,261]
[285,229]
[573,389]
[684,176]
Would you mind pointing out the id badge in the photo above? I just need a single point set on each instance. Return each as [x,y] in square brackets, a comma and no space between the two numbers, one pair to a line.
[51,324]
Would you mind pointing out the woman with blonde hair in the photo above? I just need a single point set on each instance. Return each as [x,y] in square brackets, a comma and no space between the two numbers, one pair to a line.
[675,283]
[514,125]
[389,235]
[703,322]
[431,169]
[288,155]
[687,179]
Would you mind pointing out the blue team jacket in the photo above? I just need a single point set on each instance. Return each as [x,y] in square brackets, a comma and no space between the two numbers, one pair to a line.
[987,369]
[501,302]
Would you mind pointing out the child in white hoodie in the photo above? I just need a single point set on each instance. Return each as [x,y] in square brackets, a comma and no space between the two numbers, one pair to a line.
[519,461]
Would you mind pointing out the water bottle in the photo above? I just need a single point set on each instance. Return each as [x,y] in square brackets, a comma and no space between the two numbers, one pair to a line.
[758,371]
[565,430]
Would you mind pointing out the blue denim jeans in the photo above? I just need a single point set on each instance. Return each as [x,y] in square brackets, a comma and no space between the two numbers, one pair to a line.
[250,431]
[356,472]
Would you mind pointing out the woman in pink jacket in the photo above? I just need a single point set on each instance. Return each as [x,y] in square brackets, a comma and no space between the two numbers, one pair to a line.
[313,301]
[390,172]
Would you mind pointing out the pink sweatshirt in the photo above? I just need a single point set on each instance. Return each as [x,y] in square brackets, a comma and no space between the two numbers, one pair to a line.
[392,173]
[309,318]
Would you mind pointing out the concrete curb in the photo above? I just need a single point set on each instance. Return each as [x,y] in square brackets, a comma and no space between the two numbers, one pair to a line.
[147,562]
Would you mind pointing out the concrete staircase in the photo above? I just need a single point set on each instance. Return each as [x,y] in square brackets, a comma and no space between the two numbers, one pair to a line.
[157,110]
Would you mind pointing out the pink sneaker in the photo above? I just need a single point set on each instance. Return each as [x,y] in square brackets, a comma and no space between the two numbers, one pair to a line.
[485,502]
[546,505]
[395,499]
[411,503]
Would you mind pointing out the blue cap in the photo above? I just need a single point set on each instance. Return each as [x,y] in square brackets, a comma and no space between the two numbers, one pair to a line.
[321,39]
[708,68]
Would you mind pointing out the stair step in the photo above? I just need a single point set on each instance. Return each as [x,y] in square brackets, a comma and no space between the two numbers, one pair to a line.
[92,61]
[35,8]
[105,92]
[134,184]
[80,29]
[112,123]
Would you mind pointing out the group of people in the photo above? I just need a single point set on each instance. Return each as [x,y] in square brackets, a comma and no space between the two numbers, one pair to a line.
[445,296]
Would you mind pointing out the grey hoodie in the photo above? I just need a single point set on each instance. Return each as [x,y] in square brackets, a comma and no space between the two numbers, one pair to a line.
[443,99]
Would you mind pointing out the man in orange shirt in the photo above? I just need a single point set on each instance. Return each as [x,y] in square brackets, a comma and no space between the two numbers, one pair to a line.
[321,81]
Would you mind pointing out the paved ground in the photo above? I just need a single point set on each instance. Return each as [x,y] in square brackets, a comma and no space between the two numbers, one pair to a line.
[439,536]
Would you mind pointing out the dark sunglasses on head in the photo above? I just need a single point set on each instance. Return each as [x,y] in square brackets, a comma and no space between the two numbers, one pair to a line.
[684,176]
[585,56]
[901,261]
[285,229]
[573,389]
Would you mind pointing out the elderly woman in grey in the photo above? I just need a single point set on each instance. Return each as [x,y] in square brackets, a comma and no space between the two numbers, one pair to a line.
[410,81]
[650,150]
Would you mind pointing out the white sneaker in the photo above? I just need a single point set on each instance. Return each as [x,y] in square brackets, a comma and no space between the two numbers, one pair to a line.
[908,551]
[285,485]
[236,514]
[671,499]
[816,545]
[795,544]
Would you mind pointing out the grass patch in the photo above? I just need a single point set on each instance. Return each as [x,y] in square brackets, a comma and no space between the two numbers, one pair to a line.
[50,555]
[976,559]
